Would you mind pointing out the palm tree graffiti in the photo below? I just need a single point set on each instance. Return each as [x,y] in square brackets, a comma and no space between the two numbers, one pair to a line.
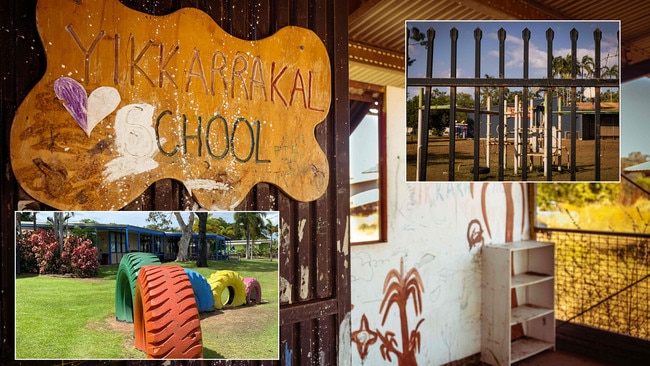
[399,287]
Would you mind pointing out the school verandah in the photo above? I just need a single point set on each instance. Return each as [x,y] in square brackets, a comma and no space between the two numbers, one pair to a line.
[113,241]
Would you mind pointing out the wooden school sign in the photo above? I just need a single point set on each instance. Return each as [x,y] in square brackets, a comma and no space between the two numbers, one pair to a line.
[129,98]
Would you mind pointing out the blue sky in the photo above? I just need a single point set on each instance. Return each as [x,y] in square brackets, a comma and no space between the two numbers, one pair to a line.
[635,120]
[513,46]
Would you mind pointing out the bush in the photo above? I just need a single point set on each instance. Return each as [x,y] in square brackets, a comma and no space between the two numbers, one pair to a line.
[81,255]
[27,259]
[45,251]
[39,253]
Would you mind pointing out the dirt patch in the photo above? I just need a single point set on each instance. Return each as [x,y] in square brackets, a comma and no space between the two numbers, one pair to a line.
[113,325]
[236,318]
[438,161]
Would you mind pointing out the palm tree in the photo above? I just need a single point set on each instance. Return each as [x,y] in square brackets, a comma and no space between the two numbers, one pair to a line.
[268,230]
[250,223]
[562,69]
[587,67]
[399,287]
[59,222]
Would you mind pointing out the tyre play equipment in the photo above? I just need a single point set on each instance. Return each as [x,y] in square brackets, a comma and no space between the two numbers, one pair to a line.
[253,290]
[127,276]
[165,316]
[202,291]
[228,289]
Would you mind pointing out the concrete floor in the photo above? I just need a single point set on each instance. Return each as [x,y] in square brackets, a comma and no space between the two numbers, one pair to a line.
[560,358]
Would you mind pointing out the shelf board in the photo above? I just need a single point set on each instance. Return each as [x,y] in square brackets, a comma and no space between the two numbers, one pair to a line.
[526,312]
[526,347]
[529,278]
[525,245]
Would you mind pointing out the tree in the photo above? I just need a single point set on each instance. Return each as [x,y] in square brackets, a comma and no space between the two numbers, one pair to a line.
[562,69]
[250,224]
[420,39]
[24,216]
[59,223]
[186,229]
[551,196]
[268,230]
[587,66]
[202,260]
[160,221]
[493,93]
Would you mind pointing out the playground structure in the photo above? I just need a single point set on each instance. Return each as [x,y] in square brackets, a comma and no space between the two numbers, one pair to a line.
[538,119]
[164,302]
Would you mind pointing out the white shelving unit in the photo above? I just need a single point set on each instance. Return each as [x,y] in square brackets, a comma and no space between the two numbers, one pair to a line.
[523,270]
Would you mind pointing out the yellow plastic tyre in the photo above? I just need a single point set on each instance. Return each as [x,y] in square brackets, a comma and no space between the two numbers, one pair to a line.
[228,289]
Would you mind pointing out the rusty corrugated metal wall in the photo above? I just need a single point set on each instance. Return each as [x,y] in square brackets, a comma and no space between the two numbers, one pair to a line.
[315,286]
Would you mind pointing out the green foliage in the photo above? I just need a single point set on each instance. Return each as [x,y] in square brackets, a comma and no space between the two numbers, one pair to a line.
[438,118]
[216,225]
[87,232]
[577,194]
[161,221]
[40,253]
[643,182]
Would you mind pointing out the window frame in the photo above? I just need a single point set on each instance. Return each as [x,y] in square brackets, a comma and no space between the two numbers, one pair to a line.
[375,94]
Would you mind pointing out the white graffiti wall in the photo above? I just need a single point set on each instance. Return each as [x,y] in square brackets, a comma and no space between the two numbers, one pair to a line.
[416,298]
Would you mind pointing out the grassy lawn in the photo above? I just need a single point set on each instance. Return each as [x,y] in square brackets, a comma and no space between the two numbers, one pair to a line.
[71,318]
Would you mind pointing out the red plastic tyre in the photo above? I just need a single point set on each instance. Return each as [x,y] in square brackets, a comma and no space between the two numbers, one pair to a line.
[165,316]
[253,290]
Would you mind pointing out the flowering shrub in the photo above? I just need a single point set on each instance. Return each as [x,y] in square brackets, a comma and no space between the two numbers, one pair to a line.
[27,259]
[44,248]
[81,256]
[39,253]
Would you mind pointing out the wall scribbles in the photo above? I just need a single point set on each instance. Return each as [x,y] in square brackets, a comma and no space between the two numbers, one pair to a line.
[399,287]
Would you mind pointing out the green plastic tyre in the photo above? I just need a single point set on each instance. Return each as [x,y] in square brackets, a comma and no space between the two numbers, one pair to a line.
[228,289]
[127,276]
[166,319]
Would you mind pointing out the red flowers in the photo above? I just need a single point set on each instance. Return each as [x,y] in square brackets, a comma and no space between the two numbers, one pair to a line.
[39,253]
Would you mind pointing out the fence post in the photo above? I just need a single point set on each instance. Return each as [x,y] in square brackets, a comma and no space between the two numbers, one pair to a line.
[597,37]
[574,44]
[478,34]
[549,105]
[423,128]
[453,34]
[502,116]
[525,35]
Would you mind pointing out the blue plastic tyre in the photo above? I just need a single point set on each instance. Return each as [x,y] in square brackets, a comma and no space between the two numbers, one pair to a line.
[202,291]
